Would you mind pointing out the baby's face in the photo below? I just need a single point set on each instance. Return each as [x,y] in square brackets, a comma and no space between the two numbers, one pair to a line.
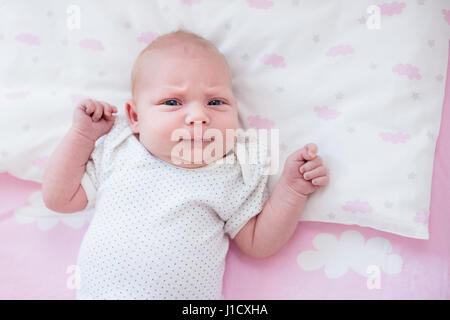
[179,88]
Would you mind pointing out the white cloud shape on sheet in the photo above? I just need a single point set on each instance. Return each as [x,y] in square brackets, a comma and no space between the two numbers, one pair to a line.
[350,251]
[46,219]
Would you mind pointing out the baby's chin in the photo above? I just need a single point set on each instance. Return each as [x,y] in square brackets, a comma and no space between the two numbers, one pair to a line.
[189,165]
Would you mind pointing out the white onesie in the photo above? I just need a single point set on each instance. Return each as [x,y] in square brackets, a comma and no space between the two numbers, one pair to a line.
[160,231]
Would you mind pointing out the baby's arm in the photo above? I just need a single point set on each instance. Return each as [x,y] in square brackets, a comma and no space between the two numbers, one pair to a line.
[61,187]
[266,233]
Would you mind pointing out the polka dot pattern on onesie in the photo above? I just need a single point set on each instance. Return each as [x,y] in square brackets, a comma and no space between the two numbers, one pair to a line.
[160,231]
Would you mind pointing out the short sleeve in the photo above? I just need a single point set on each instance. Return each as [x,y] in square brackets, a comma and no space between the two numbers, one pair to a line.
[251,202]
[249,193]
[91,177]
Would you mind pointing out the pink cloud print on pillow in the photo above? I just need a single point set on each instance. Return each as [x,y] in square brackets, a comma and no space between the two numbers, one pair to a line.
[395,137]
[357,206]
[407,70]
[260,4]
[147,37]
[341,50]
[446,14]
[91,44]
[273,60]
[326,113]
[28,39]
[259,123]
[393,8]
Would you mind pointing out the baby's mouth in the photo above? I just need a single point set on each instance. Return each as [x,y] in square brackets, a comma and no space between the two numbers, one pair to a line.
[199,140]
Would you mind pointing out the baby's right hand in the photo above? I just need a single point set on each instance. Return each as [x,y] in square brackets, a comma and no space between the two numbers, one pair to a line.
[93,118]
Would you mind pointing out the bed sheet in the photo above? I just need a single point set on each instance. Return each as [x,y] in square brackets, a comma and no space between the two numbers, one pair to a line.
[321,260]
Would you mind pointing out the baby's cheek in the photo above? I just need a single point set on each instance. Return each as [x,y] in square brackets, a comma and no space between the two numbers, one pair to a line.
[230,123]
[149,137]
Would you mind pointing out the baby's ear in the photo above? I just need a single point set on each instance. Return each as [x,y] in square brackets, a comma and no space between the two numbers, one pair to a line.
[131,111]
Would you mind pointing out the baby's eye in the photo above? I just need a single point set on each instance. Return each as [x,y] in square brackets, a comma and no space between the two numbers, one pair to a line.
[171,103]
[216,102]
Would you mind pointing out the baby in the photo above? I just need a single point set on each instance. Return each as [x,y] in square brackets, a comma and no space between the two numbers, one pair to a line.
[163,219]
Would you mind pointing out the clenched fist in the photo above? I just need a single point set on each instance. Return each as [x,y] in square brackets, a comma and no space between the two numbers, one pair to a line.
[93,119]
[304,171]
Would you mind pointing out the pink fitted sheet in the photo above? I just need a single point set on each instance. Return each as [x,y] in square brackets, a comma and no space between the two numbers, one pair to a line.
[34,264]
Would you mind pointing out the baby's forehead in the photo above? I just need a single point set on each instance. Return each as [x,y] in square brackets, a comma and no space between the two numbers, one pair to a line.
[181,38]
[174,73]
[182,55]
[184,49]
[179,46]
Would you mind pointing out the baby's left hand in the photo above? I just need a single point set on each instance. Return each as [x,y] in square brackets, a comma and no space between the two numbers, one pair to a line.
[304,171]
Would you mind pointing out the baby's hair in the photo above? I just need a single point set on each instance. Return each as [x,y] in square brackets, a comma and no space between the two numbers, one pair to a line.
[162,41]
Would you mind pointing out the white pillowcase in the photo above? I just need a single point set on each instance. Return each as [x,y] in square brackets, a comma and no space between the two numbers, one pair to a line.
[371,99]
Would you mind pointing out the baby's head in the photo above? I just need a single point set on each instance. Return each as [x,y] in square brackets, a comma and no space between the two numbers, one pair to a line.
[178,81]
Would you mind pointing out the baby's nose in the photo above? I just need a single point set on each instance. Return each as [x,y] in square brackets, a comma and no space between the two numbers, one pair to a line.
[197,115]
[197,121]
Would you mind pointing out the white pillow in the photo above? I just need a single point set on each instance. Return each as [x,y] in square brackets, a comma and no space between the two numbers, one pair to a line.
[370,99]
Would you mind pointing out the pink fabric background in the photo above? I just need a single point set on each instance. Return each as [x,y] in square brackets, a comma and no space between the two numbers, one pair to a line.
[33,263]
